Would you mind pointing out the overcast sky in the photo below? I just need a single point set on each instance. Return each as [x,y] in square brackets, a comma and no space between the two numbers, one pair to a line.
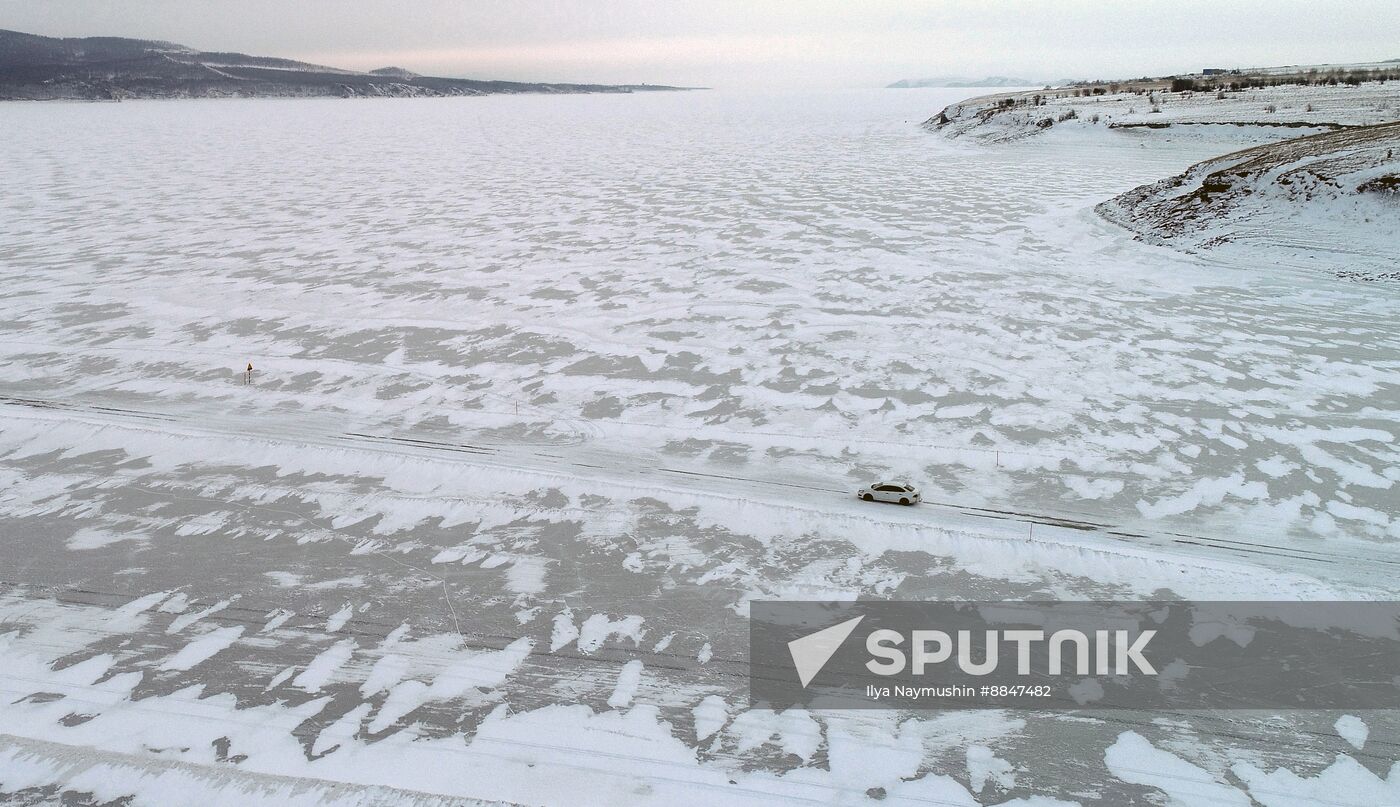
[750,43]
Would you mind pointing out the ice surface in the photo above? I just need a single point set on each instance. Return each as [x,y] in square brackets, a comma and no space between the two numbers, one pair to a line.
[321,668]
[1353,729]
[551,389]
[1345,782]
[1134,759]
[203,648]
[985,767]
[627,681]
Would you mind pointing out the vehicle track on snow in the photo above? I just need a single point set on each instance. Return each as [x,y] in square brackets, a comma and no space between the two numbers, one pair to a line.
[693,482]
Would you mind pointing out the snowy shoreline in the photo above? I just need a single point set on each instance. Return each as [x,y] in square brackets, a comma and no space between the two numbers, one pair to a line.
[1164,104]
[1340,189]
[1320,160]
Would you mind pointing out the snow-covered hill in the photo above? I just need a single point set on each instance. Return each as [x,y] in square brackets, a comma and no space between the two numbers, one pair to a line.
[101,68]
[1330,201]
[1317,186]
[1287,108]
[958,81]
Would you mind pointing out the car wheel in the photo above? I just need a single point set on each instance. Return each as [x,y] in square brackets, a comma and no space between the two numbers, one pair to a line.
[868,497]
[903,501]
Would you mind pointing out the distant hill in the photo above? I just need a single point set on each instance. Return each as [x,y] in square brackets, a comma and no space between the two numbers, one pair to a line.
[36,67]
[395,72]
[989,81]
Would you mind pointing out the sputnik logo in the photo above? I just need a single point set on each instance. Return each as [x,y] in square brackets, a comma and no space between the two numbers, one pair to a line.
[813,651]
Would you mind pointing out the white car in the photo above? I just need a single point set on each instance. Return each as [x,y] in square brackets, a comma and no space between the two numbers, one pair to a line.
[897,492]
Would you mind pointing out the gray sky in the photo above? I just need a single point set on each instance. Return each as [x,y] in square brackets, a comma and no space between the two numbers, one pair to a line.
[750,43]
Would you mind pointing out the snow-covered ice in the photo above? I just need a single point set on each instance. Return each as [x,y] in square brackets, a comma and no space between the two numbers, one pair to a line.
[488,519]
[203,648]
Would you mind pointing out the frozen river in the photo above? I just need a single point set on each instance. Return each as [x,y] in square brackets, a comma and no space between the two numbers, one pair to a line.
[546,386]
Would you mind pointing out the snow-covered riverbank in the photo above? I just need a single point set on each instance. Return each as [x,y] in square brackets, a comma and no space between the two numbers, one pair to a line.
[1310,176]
[1290,109]
[1329,202]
